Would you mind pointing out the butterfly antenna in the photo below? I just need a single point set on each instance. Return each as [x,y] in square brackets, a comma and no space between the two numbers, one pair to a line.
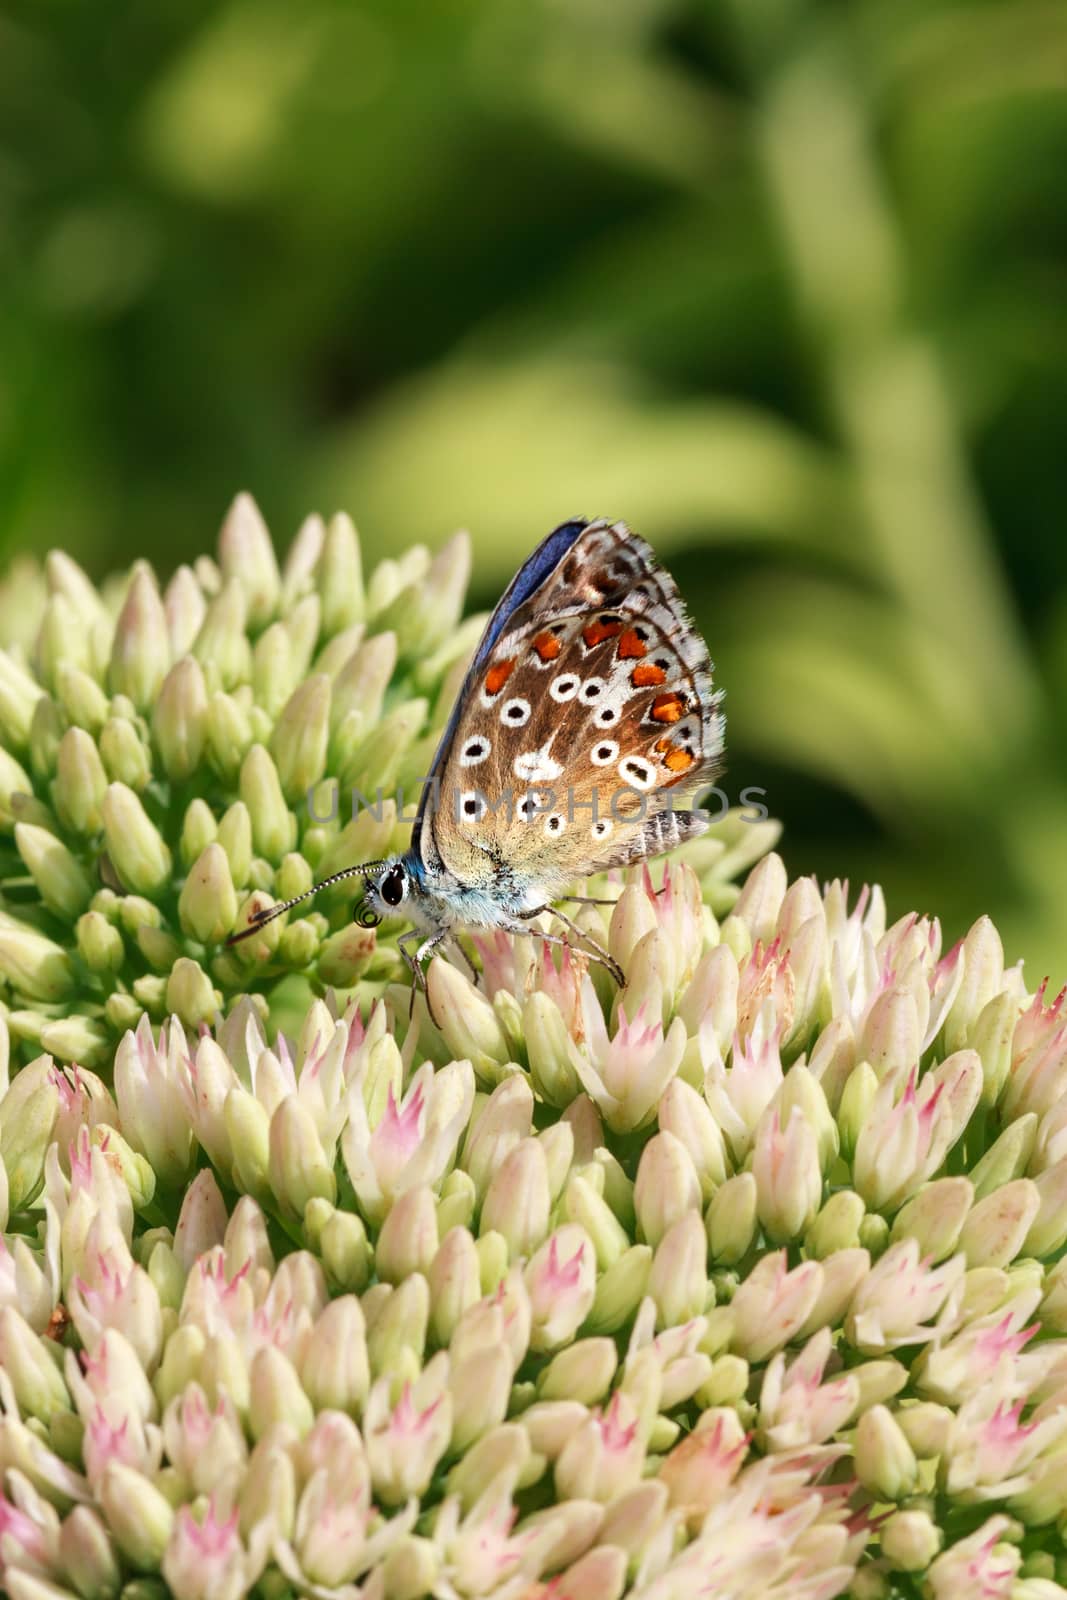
[261,918]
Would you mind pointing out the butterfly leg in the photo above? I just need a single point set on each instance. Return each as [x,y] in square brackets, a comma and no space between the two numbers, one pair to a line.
[603,956]
[586,900]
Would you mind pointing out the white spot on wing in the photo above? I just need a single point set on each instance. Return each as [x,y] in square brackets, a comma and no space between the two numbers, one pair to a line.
[537,766]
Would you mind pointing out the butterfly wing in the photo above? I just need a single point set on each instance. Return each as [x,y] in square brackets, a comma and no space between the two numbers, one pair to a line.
[587,714]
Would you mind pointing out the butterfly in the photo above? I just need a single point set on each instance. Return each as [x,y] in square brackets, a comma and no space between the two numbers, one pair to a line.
[587,714]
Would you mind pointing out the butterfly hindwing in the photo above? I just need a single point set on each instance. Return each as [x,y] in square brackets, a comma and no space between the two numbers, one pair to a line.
[588,711]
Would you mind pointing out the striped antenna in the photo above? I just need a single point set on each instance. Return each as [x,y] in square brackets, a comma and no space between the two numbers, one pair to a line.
[261,918]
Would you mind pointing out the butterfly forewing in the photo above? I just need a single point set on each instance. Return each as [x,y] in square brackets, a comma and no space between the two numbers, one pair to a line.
[591,714]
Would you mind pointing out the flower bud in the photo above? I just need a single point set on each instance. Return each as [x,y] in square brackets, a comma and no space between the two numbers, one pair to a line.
[732,1218]
[518,1201]
[99,944]
[857,1098]
[134,844]
[910,1540]
[467,1021]
[685,1113]
[926,1427]
[339,576]
[408,1240]
[885,1461]
[299,1168]
[139,1516]
[480,1386]
[273,827]
[411,1568]
[301,737]
[235,837]
[87,1555]
[60,878]
[140,652]
[344,1249]
[221,646]
[405,1442]
[207,905]
[837,1225]
[454,1282]
[666,1186]
[246,557]
[124,755]
[190,995]
[997,1226]
[32,964]
[228,735]
[1047,1233]
[344,956]
[334,1365]
[758,904]
[84,702]
[678,1282]
[935,1216]
[396,1338]
[35,1379]
[785,1165]
[549,1051]
[604,1456]
[620,1290]
[991,1035]
[276,1395]
[581,1372]
[772,1305]
[561,1282]
[179,719]
[583,1204]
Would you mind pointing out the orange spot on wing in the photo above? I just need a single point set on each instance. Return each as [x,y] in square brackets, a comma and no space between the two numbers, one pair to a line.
[597,632]
[667,707]
[679,760]
[647,676]
[497,676]
[547,646]
[632,648]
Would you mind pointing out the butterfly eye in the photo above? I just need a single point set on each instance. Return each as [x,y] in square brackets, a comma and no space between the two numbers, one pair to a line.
[515,713]
[564,688]
[393,886]
[605,752]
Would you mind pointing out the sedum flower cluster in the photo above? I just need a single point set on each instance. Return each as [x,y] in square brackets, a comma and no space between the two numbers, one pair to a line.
[745,1280]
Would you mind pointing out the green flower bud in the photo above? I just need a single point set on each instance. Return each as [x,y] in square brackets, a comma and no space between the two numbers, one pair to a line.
[122,1011]
[500,1454]
[179,719]
[396,1339]
[228,735]
[275,1395]
[731,1219]
[582,1203]
[61,637]
[334,1366]
[199,829]
[273,826]
[294,876]
[582,1372]
[467,1021]
[87,1555]
[885,1461]
[80,783]
[235,837]
[411,1568]
[61,880]
[837,1225]
[1007,1157]
[620,1290]
[80,1039]
[274,674]
[124,756]
[134,844]
[47,729]
[548,1050]
[248,1129]
[140,651]
[207,905]
[221,646]
[874,1233]
[492,1261]
[246,557]
[190,996]
[991,1035]
[32,964]
[13,780]
[185,608]
[935,1216]
[134,912]
[159,948]
[343,1246]
[455,1282]
[518,1200]
[678,1281]
[299,1168]
[910,1540]
[344,956]
[301,737]
[99,944]
[361,683]
[19,694]
[407,1241]
[377,761]
[339,576]
[856,1101]
[139,1516]
[35,1378]
[81,697]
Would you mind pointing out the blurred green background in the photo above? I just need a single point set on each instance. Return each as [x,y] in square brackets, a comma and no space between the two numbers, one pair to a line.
[781,283]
